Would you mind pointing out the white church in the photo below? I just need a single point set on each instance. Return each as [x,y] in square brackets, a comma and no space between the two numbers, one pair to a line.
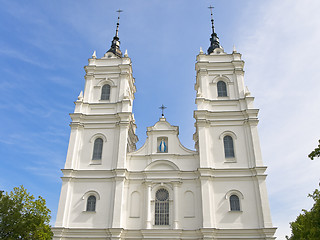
[111,190]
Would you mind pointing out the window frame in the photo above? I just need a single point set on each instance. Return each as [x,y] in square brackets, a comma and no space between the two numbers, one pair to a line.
[222,92]
[90,208]
[234,203]
[228,146]
[105,96]
[94,150]
[162,218]
[240,198]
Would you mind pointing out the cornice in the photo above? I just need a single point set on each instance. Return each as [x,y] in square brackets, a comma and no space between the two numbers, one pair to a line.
[166,233]
[165,176]
[244,115]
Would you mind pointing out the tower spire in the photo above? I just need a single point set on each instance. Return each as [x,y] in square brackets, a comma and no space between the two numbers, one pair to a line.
[115,44]
[214,40]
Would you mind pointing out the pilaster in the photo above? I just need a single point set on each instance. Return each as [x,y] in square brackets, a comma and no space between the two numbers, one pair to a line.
[202,127]
[176,202]
[122,147]
[206,198]
[118,211]
[148,203]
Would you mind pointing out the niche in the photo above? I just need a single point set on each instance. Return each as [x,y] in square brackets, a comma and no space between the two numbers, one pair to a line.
[162,144]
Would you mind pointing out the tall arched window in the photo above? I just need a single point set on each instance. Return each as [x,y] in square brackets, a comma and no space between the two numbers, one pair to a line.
[97,149]
[234,203]
[91,204]
[105,92]
[228,147]
[162,207]
[222,89]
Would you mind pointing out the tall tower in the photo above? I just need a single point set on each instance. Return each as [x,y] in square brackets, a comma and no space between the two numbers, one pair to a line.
[102,133]
[163,190]
[232,175]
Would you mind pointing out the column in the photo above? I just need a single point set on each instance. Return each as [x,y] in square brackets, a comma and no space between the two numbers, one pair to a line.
[149,218]
[176,205]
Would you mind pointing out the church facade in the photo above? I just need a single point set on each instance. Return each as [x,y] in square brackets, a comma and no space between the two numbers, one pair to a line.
[111,190]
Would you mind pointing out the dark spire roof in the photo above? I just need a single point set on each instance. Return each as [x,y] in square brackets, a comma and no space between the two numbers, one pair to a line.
[214,40]
[115,44]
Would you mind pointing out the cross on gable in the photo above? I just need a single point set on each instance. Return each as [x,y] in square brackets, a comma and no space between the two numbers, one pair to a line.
[162,109]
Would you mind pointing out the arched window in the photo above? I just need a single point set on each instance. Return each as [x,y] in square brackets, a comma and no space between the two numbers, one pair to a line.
[162,207]
[105,92]
[234,203]
[222,89]
[91,204]
[97,149]
[228,147]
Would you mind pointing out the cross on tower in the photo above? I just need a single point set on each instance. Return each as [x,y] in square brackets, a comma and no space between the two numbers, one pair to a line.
[211,17]
[162,109]
[211,9]
[119,11]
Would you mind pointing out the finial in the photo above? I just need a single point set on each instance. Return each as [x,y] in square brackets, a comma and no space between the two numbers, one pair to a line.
[117,29]
[115,44]
[80,97]
[234,49]
[201,51]
[247,92]
[94,54]
[162,109]
[214,40]
[126,53]
[212,21]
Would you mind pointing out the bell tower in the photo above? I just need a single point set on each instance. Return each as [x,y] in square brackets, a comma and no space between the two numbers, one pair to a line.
[227,140]
[102,133]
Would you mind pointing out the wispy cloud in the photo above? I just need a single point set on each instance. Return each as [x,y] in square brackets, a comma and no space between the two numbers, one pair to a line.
[46,160]
[15,54]
[281,61]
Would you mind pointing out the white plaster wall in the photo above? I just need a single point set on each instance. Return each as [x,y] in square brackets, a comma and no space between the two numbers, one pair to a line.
[102,217]
[239,143]
[187,221]
[109,147]
[248,217]
[136,221]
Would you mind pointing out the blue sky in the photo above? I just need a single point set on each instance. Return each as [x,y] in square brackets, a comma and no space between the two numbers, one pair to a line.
[45,44]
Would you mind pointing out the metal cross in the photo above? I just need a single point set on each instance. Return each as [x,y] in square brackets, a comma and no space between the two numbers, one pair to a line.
[162,109]
[211,9]
[211,17]
[119,11]
[117,30]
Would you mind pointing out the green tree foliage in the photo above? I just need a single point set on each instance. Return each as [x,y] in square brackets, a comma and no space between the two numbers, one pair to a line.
[307,224]
[315,152]
[23,217]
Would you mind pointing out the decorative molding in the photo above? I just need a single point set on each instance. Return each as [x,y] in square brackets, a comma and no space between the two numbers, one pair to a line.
[221,78]
[89,193]
[234,192]
[98,135]
[228,132]
[105,81]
